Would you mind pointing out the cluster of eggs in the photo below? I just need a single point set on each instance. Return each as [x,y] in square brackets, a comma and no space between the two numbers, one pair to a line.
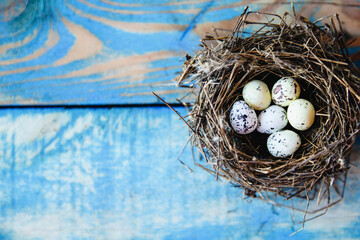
[272,119]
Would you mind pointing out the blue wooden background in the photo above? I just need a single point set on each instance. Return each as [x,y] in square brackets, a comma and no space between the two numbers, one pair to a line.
[112,173]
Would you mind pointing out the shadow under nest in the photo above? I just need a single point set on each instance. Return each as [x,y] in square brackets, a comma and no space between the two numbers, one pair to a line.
[313,53]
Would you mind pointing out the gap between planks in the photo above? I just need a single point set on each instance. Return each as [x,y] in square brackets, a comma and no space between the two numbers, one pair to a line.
[90,106]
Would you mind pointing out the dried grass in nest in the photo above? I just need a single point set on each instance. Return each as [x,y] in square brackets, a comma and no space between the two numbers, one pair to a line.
[315,55]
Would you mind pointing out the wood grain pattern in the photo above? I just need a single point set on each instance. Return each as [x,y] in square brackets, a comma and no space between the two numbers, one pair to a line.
[116,52]
[113,174]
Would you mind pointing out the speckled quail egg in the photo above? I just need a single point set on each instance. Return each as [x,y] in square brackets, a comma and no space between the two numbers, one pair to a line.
[283,143]
[301,114]
[272,119]
[257,94]
[243,118]
[284,91]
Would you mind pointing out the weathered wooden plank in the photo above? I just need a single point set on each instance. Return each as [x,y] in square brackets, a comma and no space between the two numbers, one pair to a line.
[113,174]
[116,52]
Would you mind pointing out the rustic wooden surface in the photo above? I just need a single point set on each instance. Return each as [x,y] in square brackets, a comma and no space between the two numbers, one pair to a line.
[66,52]
[112,173]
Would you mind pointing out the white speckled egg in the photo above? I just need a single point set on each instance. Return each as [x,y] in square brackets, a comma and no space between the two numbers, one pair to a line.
[283,143]
[272,119]
[284,91]
[257,94]
[301,114]
[243,118]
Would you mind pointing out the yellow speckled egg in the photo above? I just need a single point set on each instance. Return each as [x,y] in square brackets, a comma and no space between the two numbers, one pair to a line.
[284,91]
[301,114]
[283,143]
[257,94]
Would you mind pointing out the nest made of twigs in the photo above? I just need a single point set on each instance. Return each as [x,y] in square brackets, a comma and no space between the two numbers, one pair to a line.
[315,55]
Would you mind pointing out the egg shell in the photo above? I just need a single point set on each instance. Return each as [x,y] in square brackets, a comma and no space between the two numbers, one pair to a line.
[284,91]
[272,119]
[283,143]
[257,94]
[301,114]
[243,118]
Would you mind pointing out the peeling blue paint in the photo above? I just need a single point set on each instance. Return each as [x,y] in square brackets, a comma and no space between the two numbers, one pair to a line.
[113,174]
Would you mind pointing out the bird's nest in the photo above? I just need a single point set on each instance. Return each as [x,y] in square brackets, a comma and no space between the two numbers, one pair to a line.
[313,53]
